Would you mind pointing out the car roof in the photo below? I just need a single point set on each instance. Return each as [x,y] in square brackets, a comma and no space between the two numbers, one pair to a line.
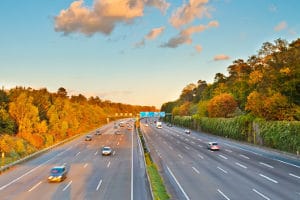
[58,167]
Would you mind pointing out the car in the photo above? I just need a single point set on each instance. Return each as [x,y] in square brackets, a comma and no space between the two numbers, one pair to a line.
[213,146]
[57,174]
[187,131]
[88,138]
[98,132]
[169,125]
[117,132]
[106,151]
[146,125]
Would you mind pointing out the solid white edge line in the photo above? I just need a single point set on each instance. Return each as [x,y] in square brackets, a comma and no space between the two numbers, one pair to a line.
[200,156]
[196,170]
[268,178]
[260,194]
[36,185]
[244,156]
[294,175]
[223,170]
[223,194]
[178,184]
[131,184]
[99,185]
[67,186]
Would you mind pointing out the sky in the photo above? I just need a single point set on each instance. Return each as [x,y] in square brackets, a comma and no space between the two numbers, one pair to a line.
[140,52]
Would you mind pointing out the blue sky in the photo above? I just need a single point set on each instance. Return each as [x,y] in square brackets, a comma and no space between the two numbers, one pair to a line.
[143,52]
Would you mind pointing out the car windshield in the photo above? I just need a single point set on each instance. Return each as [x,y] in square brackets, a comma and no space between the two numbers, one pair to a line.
[106,148]
[214,143]
[56,170]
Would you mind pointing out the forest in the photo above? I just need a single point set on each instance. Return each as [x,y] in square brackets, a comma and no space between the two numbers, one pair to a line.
[266,86]
[32,119]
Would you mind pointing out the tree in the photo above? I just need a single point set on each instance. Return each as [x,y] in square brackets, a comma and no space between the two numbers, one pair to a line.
[221,105]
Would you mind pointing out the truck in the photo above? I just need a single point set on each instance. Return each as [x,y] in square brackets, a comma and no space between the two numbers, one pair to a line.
[158,124]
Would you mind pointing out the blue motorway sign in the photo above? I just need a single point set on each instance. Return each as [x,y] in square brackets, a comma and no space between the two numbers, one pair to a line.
[152,114]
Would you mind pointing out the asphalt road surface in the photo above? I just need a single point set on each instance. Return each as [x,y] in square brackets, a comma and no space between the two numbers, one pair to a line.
[90,175]
[238,171]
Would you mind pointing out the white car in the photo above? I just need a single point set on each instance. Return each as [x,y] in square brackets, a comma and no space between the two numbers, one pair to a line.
[187,131]
[106,151]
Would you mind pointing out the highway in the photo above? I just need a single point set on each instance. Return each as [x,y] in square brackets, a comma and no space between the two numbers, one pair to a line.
[237,171]
[90,175]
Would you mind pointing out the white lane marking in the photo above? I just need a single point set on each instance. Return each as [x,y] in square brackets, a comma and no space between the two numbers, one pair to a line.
[114,152]
[200,146]
[199,139]
[223,157]
[200,156]
[77,154]
[35,186]
[294,175]
[187,140]
[194,137]
[196,170]
[260,194]
[265,164]
[108,164]
[192,142]
[67,186]
[96,153]
[223,194]
[187,147]
[244,156]
[171,147]
[287,163]
[85,165]
[239,164]
[223,170]
[99,185]
[131,177]
[118,143]
[268,178]
[180,156]
[30,171]
[185,195]
[228,150]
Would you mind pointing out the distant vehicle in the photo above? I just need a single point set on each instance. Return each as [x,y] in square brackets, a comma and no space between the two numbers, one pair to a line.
[88,138]
[146,125]
[129,127]
[187,131]
[121,124]
[158,124]
[169,125]
[213,146]
[117,132]
[57,174]
[98,132]
[106,151]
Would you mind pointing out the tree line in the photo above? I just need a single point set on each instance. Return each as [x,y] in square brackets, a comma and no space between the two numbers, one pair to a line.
[31,119]
[265,86]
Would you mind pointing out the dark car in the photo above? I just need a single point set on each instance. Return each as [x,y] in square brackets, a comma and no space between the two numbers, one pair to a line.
[88,138]
[187,131]
[57,174]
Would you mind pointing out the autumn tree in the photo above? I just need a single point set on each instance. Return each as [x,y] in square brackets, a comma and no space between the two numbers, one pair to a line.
[222,105]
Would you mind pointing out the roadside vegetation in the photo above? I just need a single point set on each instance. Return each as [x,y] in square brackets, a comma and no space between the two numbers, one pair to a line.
[258,101]
[31,120]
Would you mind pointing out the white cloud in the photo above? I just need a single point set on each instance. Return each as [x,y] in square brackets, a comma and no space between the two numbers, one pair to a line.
[281,26]
[190,11]
[103,15]
[221,57]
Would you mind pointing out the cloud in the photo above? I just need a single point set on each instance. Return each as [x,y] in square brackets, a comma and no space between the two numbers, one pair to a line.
[221,57]
[190,11]
[153,34]
[185,36]
[198,48]
[103,16]
[281,26]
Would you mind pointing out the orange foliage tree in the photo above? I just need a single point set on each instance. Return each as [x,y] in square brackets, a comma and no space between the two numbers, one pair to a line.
[221,105]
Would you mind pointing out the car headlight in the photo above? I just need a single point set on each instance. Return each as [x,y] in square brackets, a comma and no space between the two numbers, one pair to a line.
[50,177]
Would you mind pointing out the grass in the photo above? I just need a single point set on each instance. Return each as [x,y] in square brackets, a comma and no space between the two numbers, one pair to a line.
[158,187]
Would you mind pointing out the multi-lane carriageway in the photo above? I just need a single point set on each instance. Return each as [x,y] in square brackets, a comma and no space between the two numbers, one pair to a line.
[191,171]
[90,175]
[237,171]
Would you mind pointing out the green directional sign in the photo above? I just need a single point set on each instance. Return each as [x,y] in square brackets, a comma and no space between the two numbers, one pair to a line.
[152,114]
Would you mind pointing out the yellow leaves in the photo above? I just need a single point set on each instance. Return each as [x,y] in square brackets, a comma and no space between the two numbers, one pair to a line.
[255,77]
[286,71]
[221,105]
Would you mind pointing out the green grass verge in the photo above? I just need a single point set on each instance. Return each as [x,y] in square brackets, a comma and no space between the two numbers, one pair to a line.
[158,187]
